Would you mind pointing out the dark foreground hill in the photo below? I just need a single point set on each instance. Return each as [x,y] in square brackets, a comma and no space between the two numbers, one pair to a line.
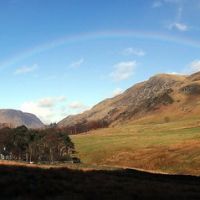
[14,118]
[60,183]
[163,94]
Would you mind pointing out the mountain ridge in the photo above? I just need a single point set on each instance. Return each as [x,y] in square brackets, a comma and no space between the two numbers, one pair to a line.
[13,118]
[159,92]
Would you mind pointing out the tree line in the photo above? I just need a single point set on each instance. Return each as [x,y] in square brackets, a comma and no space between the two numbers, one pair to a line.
[49,144]
[84,126]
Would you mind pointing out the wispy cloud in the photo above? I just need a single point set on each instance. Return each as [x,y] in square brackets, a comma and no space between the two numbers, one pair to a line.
[117,92]
[50,101]
[133,51]
[177,23]
[190,68]
[77,105]
[123,70]
[175,73]
[26,69]
[178,26]
[194,66]
[77,63]
[179,13]
[159,3]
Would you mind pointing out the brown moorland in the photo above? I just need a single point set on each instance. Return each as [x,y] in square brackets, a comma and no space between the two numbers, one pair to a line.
[22,182]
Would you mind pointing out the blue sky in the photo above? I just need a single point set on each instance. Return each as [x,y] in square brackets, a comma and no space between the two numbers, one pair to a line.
[60,57]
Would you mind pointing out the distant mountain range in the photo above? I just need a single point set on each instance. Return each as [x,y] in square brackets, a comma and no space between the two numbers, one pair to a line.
[162,97]
[13,118]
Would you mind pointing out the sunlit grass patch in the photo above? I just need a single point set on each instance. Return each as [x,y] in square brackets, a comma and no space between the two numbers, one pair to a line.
[168,147]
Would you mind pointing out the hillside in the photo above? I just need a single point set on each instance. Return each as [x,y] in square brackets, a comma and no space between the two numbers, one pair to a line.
[158,130]
[14,118]
[169,147]
[166,94]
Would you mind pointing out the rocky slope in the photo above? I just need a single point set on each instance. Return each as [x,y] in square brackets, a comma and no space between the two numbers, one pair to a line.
[14,118]
[152,97]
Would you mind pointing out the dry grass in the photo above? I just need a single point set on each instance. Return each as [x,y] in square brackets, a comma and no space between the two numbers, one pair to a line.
[18,182]
[172,147]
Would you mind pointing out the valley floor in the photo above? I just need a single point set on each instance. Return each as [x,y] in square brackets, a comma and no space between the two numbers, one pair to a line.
[169,147]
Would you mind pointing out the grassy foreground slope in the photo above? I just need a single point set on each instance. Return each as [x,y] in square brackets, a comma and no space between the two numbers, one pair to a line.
[171,147]
[19,182]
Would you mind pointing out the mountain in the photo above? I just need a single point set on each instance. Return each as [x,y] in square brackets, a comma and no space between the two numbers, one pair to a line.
[14,118]
[163,95]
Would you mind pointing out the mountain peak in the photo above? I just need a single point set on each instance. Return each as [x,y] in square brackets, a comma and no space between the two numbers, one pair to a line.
[14,118]
[159,92]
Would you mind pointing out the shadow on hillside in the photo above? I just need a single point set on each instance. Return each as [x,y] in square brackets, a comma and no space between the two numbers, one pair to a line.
[35,183]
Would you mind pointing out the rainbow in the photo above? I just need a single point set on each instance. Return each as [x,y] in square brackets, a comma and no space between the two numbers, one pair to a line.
[97,36]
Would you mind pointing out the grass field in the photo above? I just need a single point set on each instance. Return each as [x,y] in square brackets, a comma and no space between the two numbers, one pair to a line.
[172,147]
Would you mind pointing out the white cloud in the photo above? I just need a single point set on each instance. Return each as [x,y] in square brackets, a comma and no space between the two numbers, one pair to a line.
[123,70]
[53,109]
[77,63]
[61,98]
[177,22]
[25,69]
[117,92]
[178,26]
[77,105]
[194,66]
[44,114]
[132,51]
[48,109]
[50,101]
[175,73]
